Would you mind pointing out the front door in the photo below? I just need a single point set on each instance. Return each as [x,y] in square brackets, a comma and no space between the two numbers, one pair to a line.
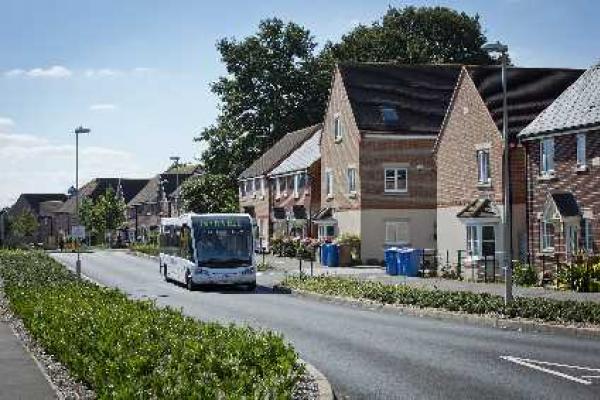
[488,241]
[572,237]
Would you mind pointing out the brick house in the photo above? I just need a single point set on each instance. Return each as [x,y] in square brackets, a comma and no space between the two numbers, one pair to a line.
[43,207]
[128,188]
[295,187]
[158,198]
[378,176]
[469,163]
[257,194]
[563,179]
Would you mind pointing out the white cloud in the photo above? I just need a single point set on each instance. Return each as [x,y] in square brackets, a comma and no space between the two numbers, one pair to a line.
[55,71]
[102,73]
[6,122]
[31,164]
[103,107]
[143,70]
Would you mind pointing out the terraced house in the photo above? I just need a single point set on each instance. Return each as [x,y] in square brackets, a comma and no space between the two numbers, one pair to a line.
[378,176]
[271,199]
[563,159]
[469,162]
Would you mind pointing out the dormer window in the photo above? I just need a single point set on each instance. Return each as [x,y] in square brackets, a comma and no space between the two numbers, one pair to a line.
[389,115]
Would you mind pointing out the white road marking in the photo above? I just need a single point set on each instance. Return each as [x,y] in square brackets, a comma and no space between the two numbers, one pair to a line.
[533,365]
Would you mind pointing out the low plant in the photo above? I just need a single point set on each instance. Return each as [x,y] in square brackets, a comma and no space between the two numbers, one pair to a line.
[145,248]
[468,302]
[524,274]
[132,349]
[583,275]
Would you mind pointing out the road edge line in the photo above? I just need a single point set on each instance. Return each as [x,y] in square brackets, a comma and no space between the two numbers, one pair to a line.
[521,325]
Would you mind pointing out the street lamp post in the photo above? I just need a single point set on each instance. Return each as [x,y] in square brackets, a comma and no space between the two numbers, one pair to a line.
[78,131]
[503,50]
[175,160]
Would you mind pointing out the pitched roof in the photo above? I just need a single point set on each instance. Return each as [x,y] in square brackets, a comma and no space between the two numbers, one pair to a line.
[184,169]
[566,204]
[152,190]
[280,150]
[98,186]
[419,94]
[303,157]
[35,199]
[577,107]
[49,207]
[529,91]
[478,208]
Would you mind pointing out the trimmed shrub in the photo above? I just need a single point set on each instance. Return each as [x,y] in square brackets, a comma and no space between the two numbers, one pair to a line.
[473,303]
[131,349]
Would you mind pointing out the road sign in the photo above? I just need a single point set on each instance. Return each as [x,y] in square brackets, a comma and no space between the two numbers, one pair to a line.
[78,231]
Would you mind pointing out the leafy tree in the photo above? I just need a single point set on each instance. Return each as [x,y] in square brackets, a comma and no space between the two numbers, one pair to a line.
[415,35]
[107,213]
[274,85]
[23,225]
[209,194]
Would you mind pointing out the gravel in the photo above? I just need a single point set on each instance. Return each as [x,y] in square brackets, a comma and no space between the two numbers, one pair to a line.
[307,388]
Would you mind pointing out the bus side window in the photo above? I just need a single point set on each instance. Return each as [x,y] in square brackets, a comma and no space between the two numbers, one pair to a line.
[191,255]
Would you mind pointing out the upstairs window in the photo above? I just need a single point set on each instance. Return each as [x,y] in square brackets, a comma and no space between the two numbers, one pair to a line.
[296,184]
[351,176]
[277,187]
[329,183]
[547,156]
[248,189]
[588,236]
[262,186]
[302,180]
[483,167]
[389,115]
[242,189]
[396,180]
[338,129]
[581,159]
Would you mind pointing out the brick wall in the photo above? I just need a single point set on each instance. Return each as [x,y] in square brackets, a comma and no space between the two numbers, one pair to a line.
[469,126]
[338,156]
[585,186]
[377,153]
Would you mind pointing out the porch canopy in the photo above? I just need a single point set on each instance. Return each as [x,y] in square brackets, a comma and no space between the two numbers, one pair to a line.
[565,205]
[479,208]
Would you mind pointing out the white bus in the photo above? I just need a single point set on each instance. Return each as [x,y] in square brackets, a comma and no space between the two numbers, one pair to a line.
[206,249]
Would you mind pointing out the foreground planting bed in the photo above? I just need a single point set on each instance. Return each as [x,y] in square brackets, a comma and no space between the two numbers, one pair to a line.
[131,349]
[565,312]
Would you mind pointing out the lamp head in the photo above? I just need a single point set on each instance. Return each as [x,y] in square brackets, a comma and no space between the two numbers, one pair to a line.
[495,47]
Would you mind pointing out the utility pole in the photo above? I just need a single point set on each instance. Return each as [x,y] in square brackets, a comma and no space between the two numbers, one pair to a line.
[78,131]
[503,50]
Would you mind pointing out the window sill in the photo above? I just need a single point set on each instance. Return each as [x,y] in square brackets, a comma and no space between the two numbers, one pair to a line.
[580,169]
[277,198]
[484,185]
[329,197]
[337,140]
[547,178]
[352,195]
[395,193]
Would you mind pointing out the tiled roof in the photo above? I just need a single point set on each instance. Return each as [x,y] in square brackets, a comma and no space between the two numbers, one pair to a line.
[303,157]
[280,150]
[35,199]
[419,94]
[529,91]
[49,207]
[98,186]
[186,169]
[150,192]
[577,107]
[566,204]
[478,208]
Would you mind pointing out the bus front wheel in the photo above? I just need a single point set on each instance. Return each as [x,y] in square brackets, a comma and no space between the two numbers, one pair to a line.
[189,283]
[165,273]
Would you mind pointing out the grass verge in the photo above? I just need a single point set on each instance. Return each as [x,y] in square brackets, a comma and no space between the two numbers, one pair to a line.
[472,303]
[131,349]
[149,249]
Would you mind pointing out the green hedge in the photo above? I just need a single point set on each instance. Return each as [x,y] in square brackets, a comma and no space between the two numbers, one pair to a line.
[131,349]
[149,248]
[473,303]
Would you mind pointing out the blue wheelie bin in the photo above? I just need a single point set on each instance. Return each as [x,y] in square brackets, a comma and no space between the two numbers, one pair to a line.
[333,256]
[391,261]
[415,262]
[403,261]
[323,253]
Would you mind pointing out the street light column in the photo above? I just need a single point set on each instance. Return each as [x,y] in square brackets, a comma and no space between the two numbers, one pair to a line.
[78,131]
[507,187]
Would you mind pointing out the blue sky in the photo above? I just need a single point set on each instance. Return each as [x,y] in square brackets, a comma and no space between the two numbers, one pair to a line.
[137,72]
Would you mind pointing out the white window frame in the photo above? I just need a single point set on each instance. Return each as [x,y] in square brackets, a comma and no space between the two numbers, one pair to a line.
[547,154]
[329,183]
[397,228]
[475,239]
[544,236]
[277,188]
[483,167]
[581,151]
[351,179]
[296,185]
[588,236]
[321,234]
[338,129]
[395,189]
[262,186]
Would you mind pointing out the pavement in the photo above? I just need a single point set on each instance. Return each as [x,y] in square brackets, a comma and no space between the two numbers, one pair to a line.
[20,377]
[285,265]
[369,354]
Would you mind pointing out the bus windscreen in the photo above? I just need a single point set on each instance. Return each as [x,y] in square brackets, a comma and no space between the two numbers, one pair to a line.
[223,242]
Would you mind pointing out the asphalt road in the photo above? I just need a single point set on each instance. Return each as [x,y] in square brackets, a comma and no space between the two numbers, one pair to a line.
[377,355]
